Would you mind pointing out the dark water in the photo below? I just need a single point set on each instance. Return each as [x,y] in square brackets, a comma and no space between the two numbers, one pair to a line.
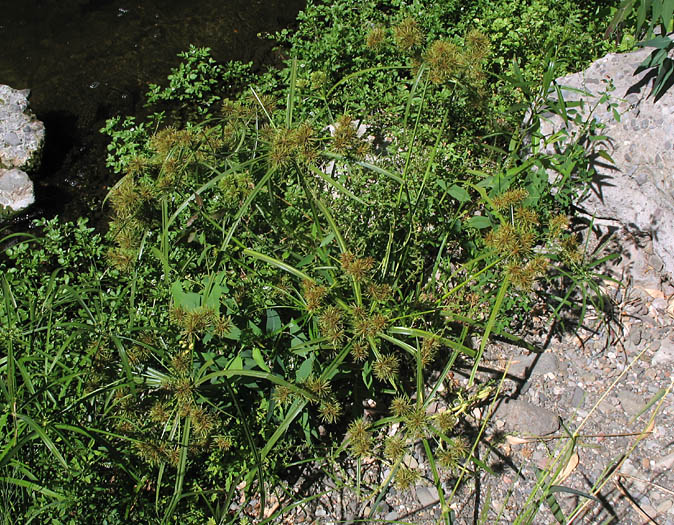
[87,60]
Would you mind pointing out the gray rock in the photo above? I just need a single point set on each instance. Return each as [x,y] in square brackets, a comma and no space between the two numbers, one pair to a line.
[21,134]
[578,398]
[638,190]
[665,354]
[534,365]
[526,418]
[392,516]
[21,141]
[16,189]
[632,403]
[427,495]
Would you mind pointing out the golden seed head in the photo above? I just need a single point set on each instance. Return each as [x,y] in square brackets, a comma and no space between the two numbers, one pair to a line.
[359,437]
[408,34]
[400,406]
[283,395]
[557,225]
[478,45]
[526,217]
[445,421]
[331,325]
[319,386]
[394,447]
[444,60]
[359,351]
[510,198]
[376,37]
[223,443]
[428,349]
[330,411]
[406,477]
[313,294]
[386,367]
[358,268]
[416,421]
[380,292]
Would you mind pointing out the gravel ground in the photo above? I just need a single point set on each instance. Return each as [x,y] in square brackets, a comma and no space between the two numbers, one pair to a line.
[610,384]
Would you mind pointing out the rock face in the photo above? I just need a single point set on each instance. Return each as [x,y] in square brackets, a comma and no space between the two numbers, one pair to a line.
[21,141]
[16,189]
[638,190]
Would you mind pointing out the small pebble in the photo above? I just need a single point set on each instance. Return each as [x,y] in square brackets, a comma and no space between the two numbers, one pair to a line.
[427,495]
[665,506]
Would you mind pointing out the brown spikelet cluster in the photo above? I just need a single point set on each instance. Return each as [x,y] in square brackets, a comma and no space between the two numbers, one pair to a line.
[359,438]
[416,422]
[356,267]
[557,225]
[375,38]
[197,321]
[394,447]
[254,106]
[368,326]
[331,325]
[510,198]
[159,413]
[510,242]
[222,443]
[294,144]
[526,218]
[408,34]
[428,350]
[400,406]
[406,477]
[453,453]
[313,295]
[445,421]
[166,141]
[570,249]
[345,138]
[445,60]
[386,367]
[235,187]
[318,386]
[329,411]
[283,395]
[523,276]
[359,351]
[380,292]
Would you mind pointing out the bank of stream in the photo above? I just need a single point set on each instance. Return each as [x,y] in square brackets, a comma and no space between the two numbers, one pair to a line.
[87,60]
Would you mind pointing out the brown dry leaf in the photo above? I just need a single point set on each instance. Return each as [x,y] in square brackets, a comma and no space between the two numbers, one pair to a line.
[670,307]
[568,469]
[654,293]
[515,440]
[271,508]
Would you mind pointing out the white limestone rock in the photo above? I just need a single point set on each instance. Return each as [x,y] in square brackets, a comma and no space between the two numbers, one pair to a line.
[21,142]
[16,189]
[639,190]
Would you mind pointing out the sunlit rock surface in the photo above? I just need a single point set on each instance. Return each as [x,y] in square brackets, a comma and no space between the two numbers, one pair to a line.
[638,190]
[21,141]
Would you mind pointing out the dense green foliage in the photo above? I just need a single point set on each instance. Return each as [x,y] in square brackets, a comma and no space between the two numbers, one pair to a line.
[283,247]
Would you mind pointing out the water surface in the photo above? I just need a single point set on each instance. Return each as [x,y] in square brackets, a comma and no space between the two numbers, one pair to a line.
[86,60]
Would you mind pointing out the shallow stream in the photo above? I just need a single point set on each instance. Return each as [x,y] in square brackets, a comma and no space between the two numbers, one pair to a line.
[87,60]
